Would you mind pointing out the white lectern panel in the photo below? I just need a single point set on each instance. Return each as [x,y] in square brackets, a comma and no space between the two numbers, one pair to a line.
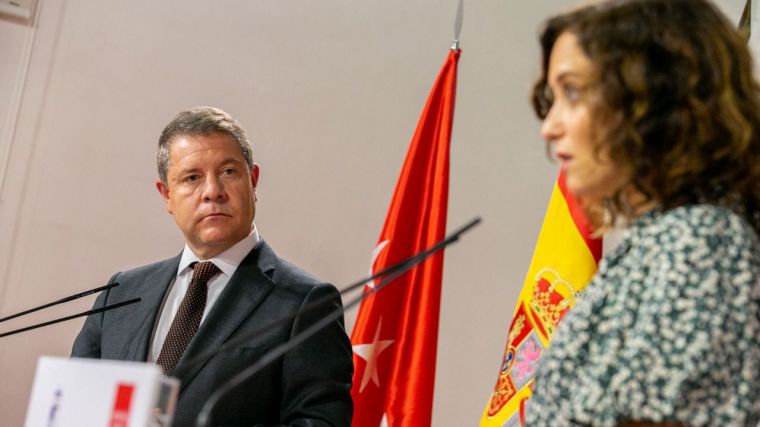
[100,393]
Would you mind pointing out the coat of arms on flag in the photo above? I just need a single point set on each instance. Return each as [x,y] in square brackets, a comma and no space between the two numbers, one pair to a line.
[564,260]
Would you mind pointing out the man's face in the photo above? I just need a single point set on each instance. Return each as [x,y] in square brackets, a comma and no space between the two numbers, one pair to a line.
[209,191]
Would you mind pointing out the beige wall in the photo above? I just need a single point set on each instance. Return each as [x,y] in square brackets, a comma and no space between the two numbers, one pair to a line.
[330,92]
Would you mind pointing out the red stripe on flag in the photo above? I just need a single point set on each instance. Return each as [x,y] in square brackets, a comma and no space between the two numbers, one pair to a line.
[579,218]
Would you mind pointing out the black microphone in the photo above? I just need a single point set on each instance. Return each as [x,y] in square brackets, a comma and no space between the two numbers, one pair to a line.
[393,272]
[60,301]
[73,316]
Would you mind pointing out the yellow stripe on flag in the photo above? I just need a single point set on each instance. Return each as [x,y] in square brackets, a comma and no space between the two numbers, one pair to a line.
[562,265]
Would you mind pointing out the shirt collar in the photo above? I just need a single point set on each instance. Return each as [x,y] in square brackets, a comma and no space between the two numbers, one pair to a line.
[227,261]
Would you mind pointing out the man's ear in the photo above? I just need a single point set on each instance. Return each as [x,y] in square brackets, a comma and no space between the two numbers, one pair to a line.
[255,175]
[255,181]
[163,189]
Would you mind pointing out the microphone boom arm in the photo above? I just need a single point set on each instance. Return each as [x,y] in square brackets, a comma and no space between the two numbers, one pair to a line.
[73,316]
[60,301]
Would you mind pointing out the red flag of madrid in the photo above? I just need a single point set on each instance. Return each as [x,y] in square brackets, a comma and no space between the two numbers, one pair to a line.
[396,331]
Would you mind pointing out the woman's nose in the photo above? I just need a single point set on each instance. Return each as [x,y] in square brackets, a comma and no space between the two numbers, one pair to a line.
[551,128]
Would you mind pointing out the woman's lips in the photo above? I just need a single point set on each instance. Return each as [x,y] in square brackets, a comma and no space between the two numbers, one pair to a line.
[564,160]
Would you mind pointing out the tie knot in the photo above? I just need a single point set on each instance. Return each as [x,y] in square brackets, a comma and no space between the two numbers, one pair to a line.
[203,271]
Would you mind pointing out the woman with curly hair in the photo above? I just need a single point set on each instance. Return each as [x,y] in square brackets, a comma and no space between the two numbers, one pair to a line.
[653,112]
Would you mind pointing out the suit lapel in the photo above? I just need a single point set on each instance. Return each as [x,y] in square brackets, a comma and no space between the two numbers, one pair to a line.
[152,295]
[247,288]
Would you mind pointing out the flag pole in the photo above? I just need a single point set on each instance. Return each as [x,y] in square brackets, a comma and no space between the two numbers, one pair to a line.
[458,25]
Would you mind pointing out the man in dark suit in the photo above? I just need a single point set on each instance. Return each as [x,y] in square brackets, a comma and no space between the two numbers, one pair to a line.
[226,282]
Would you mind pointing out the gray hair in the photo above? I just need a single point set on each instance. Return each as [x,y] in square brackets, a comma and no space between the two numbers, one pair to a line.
[201,121]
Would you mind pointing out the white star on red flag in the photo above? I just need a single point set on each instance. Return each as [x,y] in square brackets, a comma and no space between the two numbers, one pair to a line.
[370,353]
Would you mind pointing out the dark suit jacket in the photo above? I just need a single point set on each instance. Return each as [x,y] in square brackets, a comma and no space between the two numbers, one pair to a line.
[309,386]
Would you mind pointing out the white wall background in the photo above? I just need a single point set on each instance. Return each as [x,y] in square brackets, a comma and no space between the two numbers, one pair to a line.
[330,93]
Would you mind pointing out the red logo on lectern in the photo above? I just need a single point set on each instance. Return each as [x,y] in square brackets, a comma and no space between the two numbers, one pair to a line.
[122,405]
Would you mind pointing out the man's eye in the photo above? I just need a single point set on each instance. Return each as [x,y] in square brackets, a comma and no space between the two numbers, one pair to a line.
[191,178]
[228,171]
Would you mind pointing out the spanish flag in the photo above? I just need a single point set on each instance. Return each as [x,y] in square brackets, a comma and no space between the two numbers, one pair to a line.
[564,260]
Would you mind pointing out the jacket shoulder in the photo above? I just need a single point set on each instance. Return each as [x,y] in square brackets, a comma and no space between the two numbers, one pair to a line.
[287,275]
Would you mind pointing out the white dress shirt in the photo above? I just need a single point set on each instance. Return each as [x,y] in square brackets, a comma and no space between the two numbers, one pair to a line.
[227,261]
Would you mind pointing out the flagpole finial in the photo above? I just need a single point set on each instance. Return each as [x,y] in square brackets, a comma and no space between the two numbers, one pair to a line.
[458,26]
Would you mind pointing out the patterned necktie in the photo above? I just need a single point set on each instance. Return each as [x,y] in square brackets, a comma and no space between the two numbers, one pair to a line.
[188,316]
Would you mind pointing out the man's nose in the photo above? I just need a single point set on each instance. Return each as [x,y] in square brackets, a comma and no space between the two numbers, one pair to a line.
[213,189]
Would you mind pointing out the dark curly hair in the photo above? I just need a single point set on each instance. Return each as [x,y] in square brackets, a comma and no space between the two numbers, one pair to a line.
[677,102]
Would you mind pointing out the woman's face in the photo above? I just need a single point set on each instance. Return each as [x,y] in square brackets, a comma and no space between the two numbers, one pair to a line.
[570,126]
